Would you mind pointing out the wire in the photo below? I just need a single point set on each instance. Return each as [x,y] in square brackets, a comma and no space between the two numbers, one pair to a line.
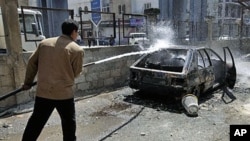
[124,124]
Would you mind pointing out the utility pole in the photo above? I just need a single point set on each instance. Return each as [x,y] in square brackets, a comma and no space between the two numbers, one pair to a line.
[119,28]
[209,20]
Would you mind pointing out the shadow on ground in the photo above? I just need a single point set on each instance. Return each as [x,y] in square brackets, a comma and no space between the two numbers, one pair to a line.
[161,102]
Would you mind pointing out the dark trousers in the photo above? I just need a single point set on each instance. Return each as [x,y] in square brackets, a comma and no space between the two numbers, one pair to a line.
[89,43]
[41,113]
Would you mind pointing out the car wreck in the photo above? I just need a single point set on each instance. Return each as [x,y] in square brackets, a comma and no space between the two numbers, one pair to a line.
[185,72]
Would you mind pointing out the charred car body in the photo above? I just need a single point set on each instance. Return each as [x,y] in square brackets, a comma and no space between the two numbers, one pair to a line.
[179,71]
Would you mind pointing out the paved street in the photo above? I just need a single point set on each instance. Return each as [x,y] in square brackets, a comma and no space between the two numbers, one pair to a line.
[126,115]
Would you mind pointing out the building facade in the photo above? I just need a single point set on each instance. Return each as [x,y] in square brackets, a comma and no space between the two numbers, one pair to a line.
[124,24]
[51,18]
[189,17]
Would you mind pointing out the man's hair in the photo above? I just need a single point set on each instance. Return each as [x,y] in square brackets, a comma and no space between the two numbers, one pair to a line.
[69,26]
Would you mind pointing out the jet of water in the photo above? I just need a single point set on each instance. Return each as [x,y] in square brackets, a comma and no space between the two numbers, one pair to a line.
[161,37]
[120,56]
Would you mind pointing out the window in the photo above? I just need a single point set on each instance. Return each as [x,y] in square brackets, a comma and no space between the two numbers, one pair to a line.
[29,20]
[147,5]
[239,12]
[213,55]
[105,9]
[86,9]
[39,22]
[226,11]
[233,12]
[105,6]
[203,59]
[122,9]
[105,1]
[168,60]
[139,35]
[219,10]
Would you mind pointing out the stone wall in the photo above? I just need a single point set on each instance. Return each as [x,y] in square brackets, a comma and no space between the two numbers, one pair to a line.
[107,75]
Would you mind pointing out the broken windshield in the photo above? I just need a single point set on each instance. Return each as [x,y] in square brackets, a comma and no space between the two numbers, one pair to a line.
[168,60]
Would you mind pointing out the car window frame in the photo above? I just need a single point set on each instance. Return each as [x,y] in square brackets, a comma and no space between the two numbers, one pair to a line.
[206,62]
[215,53]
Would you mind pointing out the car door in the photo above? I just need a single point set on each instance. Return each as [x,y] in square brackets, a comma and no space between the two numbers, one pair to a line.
[230,68]
[218,67]
[205,69]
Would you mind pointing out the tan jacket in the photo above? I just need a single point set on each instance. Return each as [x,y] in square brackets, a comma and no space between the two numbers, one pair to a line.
[57,61]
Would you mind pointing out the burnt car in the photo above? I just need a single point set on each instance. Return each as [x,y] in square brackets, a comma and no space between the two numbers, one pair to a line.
[184,72]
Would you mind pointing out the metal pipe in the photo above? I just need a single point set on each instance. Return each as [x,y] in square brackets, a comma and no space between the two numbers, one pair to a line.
[33,84]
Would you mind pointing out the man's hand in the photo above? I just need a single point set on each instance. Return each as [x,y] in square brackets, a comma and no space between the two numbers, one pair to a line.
[25,87]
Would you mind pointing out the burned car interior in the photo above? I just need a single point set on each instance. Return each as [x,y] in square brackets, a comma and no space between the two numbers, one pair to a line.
[167,60]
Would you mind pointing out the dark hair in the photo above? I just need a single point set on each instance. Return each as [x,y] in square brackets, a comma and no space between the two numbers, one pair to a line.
[69,26]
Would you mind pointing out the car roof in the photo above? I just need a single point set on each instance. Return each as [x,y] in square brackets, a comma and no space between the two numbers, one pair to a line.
[138,33]
[185,47]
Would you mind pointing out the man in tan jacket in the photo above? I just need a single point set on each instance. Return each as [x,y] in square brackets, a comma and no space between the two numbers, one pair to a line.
[56,62]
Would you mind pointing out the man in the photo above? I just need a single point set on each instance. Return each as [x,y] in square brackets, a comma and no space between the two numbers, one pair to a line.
[57,61]
[111,40]
[89,38]
[132,42]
